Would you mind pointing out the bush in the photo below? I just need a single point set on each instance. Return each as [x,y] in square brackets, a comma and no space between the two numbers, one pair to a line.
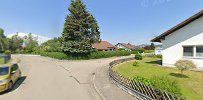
[161,83]
[136,64]
[107,54]
[183,65]
[93,55]
[53,45]
[56,55]
[137,51]
[7,52]
[138,57]
[121,49]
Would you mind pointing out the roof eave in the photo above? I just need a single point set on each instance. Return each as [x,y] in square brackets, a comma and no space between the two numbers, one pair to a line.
[177,27]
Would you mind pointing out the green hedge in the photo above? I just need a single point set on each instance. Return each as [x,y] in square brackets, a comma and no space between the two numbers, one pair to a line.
[107,54]
[56,55]
[137,51]
[94,55]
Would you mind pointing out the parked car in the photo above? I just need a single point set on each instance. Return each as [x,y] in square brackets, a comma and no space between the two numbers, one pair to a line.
[8,76]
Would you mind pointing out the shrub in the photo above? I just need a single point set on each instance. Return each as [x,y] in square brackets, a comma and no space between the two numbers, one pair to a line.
[107,54]
[138,57]
[93,55]
[136,64]
[53,45]
[183,65]
[161,83]
[121,49]
[7,52]
[137,51]
[56,55]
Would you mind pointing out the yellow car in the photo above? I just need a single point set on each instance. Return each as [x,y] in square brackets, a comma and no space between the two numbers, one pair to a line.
[8,76]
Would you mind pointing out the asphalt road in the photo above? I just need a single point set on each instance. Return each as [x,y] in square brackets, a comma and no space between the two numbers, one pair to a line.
[49,79]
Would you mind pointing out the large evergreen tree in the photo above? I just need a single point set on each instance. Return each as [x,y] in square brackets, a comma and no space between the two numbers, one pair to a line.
[80,30]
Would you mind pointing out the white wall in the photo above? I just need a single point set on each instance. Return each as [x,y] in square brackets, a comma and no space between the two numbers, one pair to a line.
[158,51]
[122,47]
[191,34]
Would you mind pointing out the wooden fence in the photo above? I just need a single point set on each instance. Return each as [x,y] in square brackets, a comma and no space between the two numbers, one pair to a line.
[141,90]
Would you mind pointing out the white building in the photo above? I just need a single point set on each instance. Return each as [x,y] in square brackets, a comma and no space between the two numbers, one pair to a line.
[158,50]
[184,41]
[126,46]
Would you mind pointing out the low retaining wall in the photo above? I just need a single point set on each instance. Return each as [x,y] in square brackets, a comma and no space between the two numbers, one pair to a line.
[139,90]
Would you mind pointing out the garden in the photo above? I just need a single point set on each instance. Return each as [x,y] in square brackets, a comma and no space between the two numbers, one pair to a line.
[187,85]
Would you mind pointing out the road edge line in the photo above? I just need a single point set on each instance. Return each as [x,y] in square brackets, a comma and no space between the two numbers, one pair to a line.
[96,89]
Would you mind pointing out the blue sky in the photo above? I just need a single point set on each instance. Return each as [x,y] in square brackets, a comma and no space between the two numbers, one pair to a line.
[134,21]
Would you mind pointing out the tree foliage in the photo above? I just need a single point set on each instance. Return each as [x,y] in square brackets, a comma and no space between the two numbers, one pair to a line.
[53,45]
[15,43]
[24,44]
[30,43]
[80,30]
[3,42]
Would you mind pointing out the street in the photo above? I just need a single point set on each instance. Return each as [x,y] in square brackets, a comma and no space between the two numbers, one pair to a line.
[48,79]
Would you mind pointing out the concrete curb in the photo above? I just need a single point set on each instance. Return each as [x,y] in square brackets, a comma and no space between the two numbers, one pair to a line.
[96,89]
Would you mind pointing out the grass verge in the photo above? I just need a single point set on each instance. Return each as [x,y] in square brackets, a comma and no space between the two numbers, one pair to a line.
[191,83]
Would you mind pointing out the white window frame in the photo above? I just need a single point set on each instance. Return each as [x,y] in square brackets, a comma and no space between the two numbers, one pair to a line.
[194,51]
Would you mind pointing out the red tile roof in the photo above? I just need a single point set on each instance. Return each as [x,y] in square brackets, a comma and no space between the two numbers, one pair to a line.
[103,45]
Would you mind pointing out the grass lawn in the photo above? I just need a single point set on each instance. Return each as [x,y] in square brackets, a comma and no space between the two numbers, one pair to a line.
[191,83]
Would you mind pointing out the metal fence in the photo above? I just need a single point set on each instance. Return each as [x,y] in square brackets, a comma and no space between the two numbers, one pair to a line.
[139,89]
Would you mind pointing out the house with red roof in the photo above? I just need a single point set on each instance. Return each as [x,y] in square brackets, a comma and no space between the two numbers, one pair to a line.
[104,46]
[126,46]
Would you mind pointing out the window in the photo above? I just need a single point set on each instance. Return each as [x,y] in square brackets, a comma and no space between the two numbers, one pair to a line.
[4,70]
[188,51]
[14,67]
[199,51]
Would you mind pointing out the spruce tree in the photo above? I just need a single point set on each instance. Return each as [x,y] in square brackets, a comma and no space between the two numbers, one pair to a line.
[80,30]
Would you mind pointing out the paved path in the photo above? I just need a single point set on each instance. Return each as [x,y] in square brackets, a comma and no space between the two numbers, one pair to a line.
[109,90]
[49,79]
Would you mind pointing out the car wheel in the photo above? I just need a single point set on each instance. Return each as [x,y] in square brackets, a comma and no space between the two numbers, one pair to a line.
[10,86]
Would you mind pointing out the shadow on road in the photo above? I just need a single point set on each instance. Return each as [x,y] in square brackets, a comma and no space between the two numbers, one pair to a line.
[16,85]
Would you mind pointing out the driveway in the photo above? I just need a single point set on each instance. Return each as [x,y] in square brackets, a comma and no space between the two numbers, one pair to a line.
[49,79]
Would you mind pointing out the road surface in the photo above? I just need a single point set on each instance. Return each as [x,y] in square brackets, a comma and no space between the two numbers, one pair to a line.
[49,79]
